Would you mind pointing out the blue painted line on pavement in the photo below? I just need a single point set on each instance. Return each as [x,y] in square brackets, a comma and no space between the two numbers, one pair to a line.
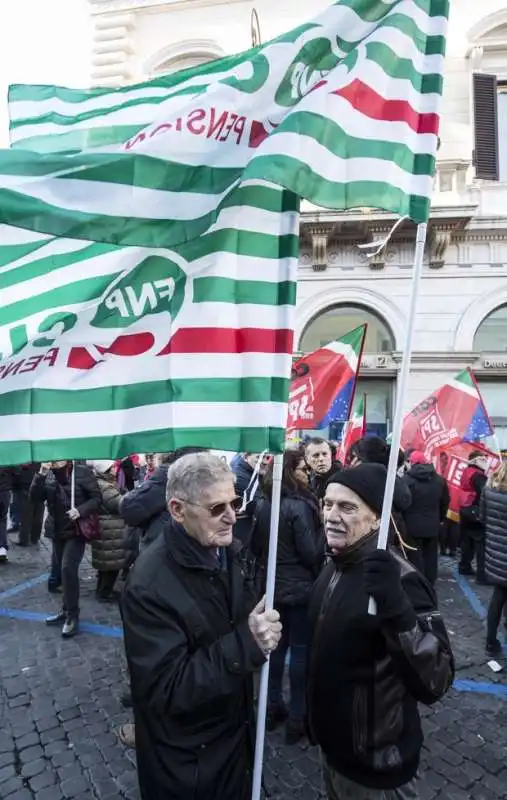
[87,627]
[23,587]
[470,594]
[479,687]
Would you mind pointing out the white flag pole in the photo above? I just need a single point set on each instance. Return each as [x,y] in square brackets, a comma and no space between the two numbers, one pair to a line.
[73,485]
[401,396]
[270,596]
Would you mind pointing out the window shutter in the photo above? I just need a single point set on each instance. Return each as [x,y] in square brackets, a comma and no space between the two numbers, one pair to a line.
[486,126]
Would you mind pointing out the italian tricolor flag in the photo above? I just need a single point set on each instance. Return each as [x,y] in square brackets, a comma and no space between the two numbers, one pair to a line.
[354,429]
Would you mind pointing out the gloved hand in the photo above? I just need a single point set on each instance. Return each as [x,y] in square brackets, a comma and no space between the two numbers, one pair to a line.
[382,581]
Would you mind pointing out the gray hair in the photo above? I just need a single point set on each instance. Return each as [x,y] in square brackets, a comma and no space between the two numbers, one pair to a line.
[194,473]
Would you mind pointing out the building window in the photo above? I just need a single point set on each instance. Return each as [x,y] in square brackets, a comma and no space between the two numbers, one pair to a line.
[490,127]
[491,335]
[339,320]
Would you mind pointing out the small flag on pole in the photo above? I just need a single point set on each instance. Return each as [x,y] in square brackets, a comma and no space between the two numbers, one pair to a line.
[452,413]
[323,382]
[354,429]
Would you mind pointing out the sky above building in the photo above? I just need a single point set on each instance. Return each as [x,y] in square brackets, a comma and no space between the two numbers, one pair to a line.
[42,41]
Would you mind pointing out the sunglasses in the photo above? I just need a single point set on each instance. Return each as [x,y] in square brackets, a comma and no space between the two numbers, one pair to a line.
[218,509]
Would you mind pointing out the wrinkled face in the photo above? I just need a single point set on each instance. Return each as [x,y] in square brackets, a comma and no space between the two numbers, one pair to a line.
[210,518]
[253,458]
[59,464]
[301,473]
[347,518]
[319,457]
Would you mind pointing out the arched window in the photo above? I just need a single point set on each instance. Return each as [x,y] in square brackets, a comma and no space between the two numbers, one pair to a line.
[491,335]
[183,55]
[335,322]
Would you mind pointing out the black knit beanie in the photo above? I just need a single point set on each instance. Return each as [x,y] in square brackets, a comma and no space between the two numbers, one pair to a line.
[368,481]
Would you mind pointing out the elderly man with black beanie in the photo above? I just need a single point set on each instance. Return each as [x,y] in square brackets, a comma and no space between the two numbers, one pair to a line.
[368,673]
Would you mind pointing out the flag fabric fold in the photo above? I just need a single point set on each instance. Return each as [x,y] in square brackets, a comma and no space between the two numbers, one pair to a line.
[323,383]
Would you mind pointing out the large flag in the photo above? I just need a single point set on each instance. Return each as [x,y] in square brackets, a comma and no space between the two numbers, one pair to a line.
[354,429]
[323,382]
[450,462]
[453,413]
[162,314]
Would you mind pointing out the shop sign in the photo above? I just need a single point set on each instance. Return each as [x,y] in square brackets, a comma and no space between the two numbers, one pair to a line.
[494,363]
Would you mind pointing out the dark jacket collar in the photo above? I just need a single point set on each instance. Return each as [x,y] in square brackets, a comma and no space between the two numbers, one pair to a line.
[188,552]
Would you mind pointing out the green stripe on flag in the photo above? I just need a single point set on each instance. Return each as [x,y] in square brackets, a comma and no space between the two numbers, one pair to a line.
[403,69]
[13,252]
[119,398]
[51,263]
[228,290]
[335,139]
[235,440]
[331,194]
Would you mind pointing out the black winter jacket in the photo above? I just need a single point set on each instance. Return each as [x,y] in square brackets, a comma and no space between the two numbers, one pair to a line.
[87,500]
[22,476]
[493,513]
[430,501]
[145,506]
[191,659]
[5,480]
[301,545]
[366,677]
[243,476]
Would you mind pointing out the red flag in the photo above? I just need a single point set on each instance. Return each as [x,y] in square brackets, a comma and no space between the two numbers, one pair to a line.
[453,413]
[323,383]
[450,462]
[354,429]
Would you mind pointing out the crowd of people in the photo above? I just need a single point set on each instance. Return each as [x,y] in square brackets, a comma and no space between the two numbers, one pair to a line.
[187,538]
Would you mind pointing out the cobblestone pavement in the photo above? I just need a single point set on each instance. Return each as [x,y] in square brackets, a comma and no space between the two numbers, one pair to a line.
[59,703]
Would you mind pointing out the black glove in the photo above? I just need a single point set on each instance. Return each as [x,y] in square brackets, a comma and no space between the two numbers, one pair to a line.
[382,581]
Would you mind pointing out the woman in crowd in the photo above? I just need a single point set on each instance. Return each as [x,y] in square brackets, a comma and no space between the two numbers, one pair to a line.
[493,513]
[108,552]
[301,547]
[53,484]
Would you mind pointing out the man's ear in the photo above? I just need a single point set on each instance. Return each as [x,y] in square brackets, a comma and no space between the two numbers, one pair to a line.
[376,524]
[176,511]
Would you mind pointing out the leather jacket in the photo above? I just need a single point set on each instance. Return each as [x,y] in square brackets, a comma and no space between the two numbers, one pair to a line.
[366,676]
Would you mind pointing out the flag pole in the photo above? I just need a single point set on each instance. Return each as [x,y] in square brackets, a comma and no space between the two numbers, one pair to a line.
[73,485]
[270,596]
[401,394]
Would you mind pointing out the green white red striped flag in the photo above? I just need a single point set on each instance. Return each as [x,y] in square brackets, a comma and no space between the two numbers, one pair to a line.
[148,279]
[354,429]
[342,111]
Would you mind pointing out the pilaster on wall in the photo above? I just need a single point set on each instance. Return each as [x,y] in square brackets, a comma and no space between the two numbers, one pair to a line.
[112,47]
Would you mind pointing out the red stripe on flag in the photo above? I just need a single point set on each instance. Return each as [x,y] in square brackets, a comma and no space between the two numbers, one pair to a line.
[230,340]
[373,105]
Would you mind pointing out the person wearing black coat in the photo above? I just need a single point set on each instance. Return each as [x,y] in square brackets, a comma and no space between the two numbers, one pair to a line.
[31,514]
[428,510]
[145,506]
[5,489]
[368,672]
[53,484]
[493,514]
[248,474]
[300,556]
[194,639]
[320,456]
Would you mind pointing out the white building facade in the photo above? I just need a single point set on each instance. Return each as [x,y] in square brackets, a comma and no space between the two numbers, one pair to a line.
[462,312]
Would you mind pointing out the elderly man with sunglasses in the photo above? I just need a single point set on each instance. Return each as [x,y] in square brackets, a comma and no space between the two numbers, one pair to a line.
[195,634]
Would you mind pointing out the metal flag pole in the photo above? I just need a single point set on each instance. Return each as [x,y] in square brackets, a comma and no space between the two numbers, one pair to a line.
[392,468]
[270,595]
